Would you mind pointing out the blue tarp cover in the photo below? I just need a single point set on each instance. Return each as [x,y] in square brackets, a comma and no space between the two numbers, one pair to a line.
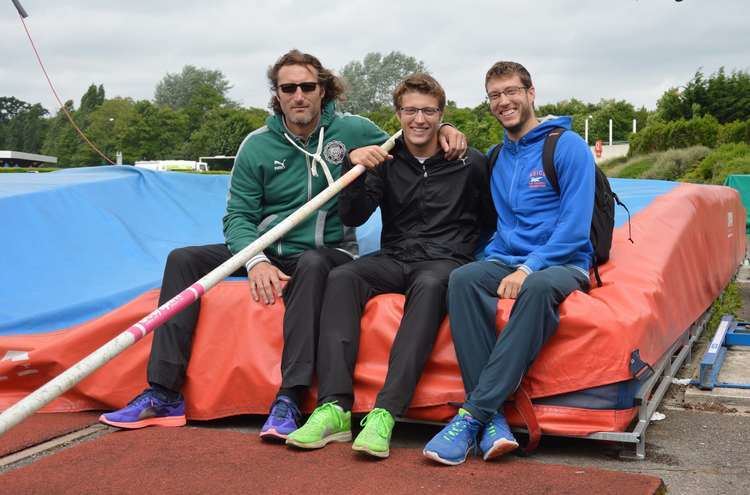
[79,243]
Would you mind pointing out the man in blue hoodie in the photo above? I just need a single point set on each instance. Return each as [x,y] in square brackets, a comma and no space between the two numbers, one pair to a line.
[540,253]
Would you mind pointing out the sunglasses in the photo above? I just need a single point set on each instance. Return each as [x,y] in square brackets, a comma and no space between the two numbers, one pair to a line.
[290,88]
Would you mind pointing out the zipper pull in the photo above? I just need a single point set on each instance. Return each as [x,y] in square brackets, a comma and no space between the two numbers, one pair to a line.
[424,170]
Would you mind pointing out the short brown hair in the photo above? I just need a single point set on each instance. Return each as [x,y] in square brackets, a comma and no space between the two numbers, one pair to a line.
[509,69]
[420,83]
[331,83]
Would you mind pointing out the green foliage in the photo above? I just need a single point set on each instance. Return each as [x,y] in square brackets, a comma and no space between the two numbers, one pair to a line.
[25,130]
[384,117]
[660,136]
[673,164]
[632,169]
[612,163]
[222,131]
[726,97]
[731,158]
[61,139]
[480,126]
[735,132]
[21,170]
[193,86]
[92,98]
[728,303]
[371,82]
[10,107]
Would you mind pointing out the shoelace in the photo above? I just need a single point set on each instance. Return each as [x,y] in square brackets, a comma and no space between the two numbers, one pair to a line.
[456,428]
[144,397]
[283,410]
[316,157]
[280,409]
[379,418]
[318,416]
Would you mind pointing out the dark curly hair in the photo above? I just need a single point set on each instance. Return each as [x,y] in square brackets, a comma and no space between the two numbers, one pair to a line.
[331,83]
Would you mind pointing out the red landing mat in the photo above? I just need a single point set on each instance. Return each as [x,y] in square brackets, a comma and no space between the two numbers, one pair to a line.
[196,460]
[42,427]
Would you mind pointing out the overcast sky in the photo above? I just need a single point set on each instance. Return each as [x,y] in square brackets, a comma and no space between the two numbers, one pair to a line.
[586,49]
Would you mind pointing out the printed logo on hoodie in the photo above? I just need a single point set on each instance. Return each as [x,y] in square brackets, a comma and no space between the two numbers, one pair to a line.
[536,179]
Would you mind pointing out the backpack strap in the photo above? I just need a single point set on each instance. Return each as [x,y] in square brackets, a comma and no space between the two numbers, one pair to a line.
[548,156]
[494,153]
[522,403]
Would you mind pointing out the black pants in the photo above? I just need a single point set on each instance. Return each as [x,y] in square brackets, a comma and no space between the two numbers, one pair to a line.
[349,288]
[302,296]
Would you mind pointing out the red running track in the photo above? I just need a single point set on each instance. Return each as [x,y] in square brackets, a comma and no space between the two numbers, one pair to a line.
[197,460]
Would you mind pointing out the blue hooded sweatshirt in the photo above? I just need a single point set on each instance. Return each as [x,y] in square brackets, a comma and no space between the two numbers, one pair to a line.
[537,227]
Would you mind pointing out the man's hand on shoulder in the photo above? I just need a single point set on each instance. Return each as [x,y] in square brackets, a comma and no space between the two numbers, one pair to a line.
[265,282]
[510,286]
[369,156]
[452,141]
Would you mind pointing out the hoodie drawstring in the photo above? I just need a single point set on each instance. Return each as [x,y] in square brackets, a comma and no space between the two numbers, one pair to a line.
[316,158]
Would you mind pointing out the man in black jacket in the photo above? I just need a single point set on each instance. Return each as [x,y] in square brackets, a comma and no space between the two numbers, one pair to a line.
[433,212]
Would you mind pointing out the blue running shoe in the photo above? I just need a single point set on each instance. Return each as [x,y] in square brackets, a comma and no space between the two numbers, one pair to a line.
[453,443]
[497,438]
[283,419]
[148,409]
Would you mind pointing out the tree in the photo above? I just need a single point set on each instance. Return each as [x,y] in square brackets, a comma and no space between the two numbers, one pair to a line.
[223,130]
[180,91]
[62,140]
[10,107]
[25,131]
[726,97]
[92,98]
[372,81]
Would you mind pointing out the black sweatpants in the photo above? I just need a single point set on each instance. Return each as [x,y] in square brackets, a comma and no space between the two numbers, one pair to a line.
[349,287]
[302,296]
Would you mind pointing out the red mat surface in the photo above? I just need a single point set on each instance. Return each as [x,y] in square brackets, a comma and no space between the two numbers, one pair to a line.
[42,427]
[196,460]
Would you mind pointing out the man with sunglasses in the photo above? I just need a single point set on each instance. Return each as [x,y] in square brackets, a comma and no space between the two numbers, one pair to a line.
[278,168]
[540,253]
[432,210]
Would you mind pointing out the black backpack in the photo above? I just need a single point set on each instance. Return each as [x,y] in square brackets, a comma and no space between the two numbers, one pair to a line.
[603,218]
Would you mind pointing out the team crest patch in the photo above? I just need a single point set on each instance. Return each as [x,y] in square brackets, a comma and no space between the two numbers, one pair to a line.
[536,179]
[334,152]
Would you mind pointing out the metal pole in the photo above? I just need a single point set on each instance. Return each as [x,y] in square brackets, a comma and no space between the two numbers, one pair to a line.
[83,368]
[610,132]
[634,126]
[20,9]
[586,130]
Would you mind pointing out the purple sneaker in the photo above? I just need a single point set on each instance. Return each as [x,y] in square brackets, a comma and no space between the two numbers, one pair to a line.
[282,420]
[147,410]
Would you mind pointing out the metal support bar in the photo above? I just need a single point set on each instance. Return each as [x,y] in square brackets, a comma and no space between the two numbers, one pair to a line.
[649,398]
[714,356]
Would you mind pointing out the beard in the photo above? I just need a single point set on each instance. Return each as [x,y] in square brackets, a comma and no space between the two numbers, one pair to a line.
[525,116]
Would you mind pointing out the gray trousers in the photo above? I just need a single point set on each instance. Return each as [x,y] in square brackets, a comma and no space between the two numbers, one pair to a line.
[492,367]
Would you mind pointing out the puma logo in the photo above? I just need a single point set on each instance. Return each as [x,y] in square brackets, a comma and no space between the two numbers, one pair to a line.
[279,165]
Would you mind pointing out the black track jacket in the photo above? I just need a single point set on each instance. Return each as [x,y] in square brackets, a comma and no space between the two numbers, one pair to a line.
[432,210]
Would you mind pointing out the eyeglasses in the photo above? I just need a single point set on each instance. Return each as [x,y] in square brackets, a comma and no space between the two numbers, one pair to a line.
[290,88]
[509,92]
[413,111]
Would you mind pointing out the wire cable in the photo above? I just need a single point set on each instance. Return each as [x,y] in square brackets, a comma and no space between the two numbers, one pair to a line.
[52,87]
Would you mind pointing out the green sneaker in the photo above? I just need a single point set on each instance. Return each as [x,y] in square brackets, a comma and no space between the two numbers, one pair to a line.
[375,437]
[328,423]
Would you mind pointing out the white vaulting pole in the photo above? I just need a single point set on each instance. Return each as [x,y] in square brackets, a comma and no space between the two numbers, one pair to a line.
[83,368]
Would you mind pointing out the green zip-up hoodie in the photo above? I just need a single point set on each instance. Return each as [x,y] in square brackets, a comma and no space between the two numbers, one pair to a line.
[271,179]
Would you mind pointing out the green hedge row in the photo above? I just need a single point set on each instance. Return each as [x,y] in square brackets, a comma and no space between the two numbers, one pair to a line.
[704,131]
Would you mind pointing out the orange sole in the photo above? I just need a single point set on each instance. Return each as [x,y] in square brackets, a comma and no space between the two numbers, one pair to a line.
[171,421]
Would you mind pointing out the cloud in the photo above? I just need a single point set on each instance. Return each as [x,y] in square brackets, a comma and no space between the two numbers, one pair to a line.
[623,49]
